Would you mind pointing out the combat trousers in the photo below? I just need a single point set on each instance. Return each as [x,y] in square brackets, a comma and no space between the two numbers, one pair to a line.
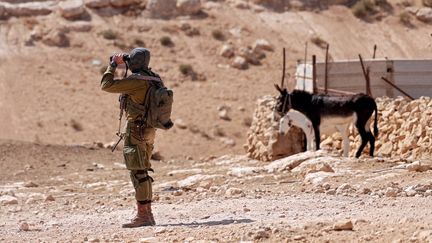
[144,139]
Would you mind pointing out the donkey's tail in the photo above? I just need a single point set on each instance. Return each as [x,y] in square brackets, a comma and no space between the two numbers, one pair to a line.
[376,121]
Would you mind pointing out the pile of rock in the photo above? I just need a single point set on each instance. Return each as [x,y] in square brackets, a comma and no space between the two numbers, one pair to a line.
[405,129]
[243,56]
[264,141]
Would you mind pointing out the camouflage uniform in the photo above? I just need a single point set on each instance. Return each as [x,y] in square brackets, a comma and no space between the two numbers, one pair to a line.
[142,137]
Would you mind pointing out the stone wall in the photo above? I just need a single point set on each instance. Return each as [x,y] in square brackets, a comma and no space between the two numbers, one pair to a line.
[264,141]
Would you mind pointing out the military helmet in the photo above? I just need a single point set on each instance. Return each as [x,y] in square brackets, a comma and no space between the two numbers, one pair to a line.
[139,59]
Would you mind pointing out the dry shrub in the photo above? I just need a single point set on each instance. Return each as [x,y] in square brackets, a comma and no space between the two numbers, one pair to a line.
[317,40]
[186,69]
[405,18]
[166,41]
[363,8]
[218,35]
[139,42]
[109,34]
[76,125]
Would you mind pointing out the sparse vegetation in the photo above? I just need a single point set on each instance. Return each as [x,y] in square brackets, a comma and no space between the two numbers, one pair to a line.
[76,125]
[317,40]
[218,35]
[405,18]
[363,8]
[109,34]
[139,42]
[186,69]
[166,41]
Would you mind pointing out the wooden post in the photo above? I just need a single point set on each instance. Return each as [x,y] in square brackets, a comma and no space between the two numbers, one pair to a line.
[326,70]
[283,69]
[374,52]
[396,87]
[314,74]
[366,75]
[304,67]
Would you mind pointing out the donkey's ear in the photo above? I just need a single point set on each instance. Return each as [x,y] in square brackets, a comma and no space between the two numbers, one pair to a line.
[278,88]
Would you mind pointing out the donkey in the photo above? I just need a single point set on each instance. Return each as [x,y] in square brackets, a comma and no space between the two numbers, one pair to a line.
[330,111]
[295,118]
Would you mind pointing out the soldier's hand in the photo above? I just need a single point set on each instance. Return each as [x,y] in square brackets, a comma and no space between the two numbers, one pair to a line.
[118,58]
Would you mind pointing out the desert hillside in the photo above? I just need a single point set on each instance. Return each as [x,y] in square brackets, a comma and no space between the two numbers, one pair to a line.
[50,67]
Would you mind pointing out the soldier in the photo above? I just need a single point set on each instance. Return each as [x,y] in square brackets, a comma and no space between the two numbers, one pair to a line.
[139,139]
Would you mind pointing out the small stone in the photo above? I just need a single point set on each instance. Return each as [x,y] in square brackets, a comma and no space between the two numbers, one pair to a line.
[24,226]
[223,114]
[180,124]
[261,44]
[49,198]
[30,184]
[71,9]
[233,191]
[227,51]
[177,193]
[246,209]
[424,14]
[156,155]
[97,3]
[8,200]
[261,234]
[93,240]
[160,230]
[391,192]
[348,225]
[188,7]
[123,3]
[239,63]
[299,237]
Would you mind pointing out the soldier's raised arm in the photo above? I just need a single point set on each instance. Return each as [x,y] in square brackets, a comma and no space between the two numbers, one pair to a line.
[125,85]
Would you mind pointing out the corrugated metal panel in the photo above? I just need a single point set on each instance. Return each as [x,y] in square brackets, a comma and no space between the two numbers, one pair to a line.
[413,76]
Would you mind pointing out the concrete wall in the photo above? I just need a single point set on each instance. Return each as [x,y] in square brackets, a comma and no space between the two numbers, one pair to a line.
[413,76]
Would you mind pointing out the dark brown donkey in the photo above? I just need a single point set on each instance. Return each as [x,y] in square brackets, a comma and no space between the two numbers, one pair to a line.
[325,110]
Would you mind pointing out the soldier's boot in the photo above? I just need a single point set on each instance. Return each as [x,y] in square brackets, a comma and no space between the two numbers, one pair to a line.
[144,217]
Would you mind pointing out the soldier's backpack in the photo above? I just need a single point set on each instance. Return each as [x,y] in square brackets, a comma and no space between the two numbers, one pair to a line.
[157,106]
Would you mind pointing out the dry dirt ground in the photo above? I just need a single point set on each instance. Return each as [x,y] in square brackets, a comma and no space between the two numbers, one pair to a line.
[61,189]
[74,194]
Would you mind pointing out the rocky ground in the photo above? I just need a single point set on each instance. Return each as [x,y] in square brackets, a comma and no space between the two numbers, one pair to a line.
[72,193]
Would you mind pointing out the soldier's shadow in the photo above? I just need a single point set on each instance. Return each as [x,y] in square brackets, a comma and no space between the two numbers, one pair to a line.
[211,223]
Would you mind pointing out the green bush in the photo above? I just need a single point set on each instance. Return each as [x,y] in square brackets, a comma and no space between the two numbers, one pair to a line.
[166,41]
[186,69]
[405,18]
[363,8]
[109,34]
[218,35]
[139,42]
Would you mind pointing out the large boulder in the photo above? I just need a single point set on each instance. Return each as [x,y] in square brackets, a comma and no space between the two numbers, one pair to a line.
[161,8]
[188,7]
[26,9]
[97,3]
[427,3]
[71,9]
[123,3]
[264,141]
[56,38]
[424,14]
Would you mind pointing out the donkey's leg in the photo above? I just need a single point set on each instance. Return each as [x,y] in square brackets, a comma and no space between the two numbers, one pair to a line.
[317,136]
[364,137]
[371,138]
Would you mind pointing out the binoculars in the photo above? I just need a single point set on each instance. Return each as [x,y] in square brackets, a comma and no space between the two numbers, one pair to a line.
[126,57]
